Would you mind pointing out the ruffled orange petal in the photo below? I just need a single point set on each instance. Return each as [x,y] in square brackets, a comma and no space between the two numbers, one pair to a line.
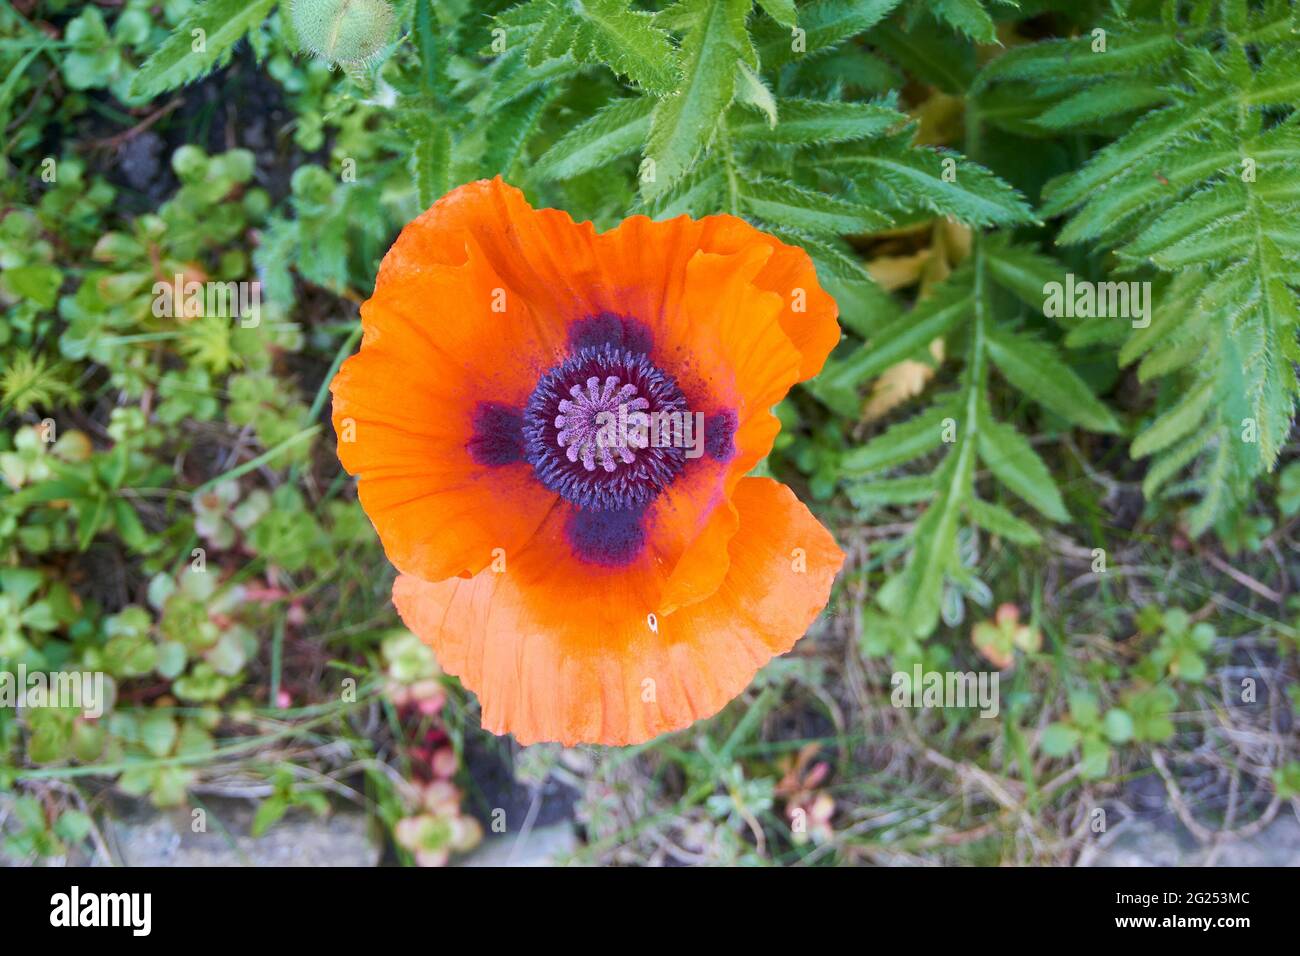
[739,357]
[435,332]
[623,677]
[705,292]
[809,314]
[645,262]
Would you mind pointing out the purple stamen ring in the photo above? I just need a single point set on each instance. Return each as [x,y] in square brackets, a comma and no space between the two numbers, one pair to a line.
[585,428]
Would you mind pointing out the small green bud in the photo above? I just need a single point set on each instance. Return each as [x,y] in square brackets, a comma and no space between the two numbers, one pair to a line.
[343,31]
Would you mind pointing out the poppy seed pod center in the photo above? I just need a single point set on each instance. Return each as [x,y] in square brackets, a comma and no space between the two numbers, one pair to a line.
[603,423]
[598,428]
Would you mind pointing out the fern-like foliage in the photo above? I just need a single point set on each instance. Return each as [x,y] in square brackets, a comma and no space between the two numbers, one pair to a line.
[971,311]
[973,18]
[1204,187]
[202,42]
[725,137]
[595,31]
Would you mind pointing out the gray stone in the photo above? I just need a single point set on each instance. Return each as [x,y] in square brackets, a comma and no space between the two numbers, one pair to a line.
[542,846]
[139,835]
[1165,842]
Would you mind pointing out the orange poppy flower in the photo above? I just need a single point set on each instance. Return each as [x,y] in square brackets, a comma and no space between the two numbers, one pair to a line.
[551,428]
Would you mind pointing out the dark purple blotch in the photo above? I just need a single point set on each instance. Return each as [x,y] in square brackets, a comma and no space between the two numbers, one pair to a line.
[720,435]
[498,434]
[611,538]
[609,328]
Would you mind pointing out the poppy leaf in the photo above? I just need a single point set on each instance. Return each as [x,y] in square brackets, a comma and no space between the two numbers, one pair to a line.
[1015,464]
[182,58]
[998,520]
[797,207]
[684,123]
[1036,369]
[826,24]
[614,131]
[803,122]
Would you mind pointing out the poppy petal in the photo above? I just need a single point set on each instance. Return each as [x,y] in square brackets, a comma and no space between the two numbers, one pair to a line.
[622,677]
[645,261]
[809,314]
[409,408]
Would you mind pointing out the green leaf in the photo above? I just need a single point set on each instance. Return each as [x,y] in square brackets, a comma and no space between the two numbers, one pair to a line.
[683,123]
[1035,368]
[1015,464]
[1058,740]
[616,130]
[627,41]
[890,491]
[826,24]
[1021,270]
[909,334]
[431,161]
[794,207]
[1176,423]
[158,733]
[966,16]
[1118,725]
[269,813]
[1147,136]
[809,122]
[901,443]
[177,62]
[782,11]
[997,520]
[1102,101]
[1131,48]
[935,538]
[941,181]
[510,128]
[40,283]
[753,91]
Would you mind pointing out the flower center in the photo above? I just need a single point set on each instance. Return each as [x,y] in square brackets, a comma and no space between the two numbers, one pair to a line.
[590,428]
[602,424]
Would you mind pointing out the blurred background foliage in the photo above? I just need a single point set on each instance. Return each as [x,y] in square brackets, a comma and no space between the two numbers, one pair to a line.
[1096,526]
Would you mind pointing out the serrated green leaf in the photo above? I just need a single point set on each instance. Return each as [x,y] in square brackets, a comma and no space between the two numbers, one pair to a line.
[811,122]
[1176,423]
[890,491]
[753,91]
[935,537]
[628,42]
[431,160]
[1016,465]
[998,520]
[1022,271]
[684,123]
[782,11]
[614,131]
[943,182]
[1035,368]
[825,24]
[909,334]
[901,443]
[177,62]
[1102,101]
[794,207]
[966,16]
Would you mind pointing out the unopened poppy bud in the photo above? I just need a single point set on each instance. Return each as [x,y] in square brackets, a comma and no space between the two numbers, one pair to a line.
[343,31]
